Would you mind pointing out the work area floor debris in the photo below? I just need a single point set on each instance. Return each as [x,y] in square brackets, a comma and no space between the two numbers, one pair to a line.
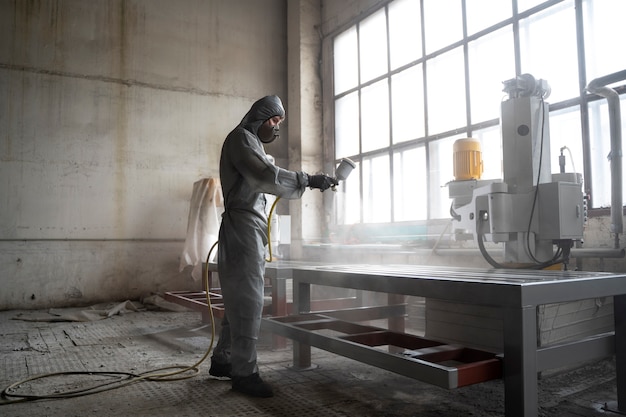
[139,341]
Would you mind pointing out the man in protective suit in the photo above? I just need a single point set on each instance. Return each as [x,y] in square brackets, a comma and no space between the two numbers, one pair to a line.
[246,175]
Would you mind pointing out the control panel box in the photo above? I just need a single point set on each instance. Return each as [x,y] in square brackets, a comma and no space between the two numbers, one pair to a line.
[561,211]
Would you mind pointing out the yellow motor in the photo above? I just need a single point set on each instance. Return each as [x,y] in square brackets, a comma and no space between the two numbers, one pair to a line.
[468,162]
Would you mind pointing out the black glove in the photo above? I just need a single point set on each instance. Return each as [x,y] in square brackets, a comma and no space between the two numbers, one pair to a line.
[321,181]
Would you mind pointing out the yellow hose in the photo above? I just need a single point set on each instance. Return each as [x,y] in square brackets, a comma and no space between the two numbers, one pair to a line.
[269,230]
[130,378]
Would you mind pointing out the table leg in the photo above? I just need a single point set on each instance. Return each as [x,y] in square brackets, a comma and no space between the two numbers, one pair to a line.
[619,313]
[279,308]
[301,304]
[520,362]
[396,324]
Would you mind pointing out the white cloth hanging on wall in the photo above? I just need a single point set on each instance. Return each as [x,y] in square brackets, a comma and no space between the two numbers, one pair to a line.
[205,215]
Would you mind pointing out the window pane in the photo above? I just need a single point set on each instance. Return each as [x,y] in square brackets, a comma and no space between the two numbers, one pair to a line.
[347,125]
[376,190]
[348,199]
[392,111]
[375,116]
[345,59]
[441,172]
[600,148]
[443,21]
[409,185]
[478,18]
[491,149]
[446,87]
[603,25]
[486,80]
[407,105]
[373,46]
[565,131]
[548,50]
[523,5]
[405,32]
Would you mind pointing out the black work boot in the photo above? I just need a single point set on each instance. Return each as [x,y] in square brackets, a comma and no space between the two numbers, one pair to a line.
[252,385]
[220,370]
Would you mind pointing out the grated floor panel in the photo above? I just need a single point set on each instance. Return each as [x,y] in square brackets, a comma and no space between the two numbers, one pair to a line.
[336,386]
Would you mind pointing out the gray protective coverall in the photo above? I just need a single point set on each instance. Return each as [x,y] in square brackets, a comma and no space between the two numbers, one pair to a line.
[246,174]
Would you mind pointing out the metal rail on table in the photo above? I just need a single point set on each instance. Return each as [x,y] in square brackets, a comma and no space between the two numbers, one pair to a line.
[276,274]
[516,292]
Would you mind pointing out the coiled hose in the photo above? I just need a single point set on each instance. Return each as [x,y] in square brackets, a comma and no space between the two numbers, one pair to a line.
[12,395]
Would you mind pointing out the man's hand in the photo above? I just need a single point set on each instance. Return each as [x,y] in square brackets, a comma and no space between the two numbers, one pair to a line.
[321,181]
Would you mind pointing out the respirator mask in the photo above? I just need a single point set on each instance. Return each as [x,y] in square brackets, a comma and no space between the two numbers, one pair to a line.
[268,134]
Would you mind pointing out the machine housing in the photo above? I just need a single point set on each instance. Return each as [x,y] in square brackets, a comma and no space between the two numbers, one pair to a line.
[530,210]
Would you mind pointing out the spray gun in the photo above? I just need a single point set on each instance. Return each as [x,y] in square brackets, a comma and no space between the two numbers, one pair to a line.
[343,170]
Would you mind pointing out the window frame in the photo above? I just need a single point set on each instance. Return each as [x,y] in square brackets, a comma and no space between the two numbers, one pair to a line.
[582,101]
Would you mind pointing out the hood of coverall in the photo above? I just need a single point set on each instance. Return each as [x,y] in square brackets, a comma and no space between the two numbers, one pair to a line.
[263,109]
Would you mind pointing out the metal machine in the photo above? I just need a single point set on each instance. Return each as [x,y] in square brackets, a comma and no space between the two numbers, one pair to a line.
[530,210]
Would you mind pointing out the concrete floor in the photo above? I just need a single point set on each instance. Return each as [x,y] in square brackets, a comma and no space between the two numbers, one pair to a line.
[141,341]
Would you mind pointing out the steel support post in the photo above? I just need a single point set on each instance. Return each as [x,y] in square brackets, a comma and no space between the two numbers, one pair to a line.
[619,312]
[520,362]
[396,324]
[279,307]
[301,304]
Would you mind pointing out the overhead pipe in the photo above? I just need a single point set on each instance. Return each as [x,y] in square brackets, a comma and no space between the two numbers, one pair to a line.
[598,86]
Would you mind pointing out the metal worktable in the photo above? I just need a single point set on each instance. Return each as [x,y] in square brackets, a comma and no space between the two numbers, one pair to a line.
[277,273]
[516,292]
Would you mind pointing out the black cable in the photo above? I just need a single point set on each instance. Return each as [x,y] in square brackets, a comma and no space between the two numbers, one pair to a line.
[556,259]
[453,214]
[535,197]
[483,251]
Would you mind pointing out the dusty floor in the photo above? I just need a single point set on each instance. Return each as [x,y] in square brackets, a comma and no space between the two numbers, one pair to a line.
[141,341]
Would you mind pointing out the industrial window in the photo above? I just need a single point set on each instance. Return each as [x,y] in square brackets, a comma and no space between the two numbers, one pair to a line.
[414,76]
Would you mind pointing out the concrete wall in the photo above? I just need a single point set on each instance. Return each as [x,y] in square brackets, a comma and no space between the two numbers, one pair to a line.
[305,117]
[109,112]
